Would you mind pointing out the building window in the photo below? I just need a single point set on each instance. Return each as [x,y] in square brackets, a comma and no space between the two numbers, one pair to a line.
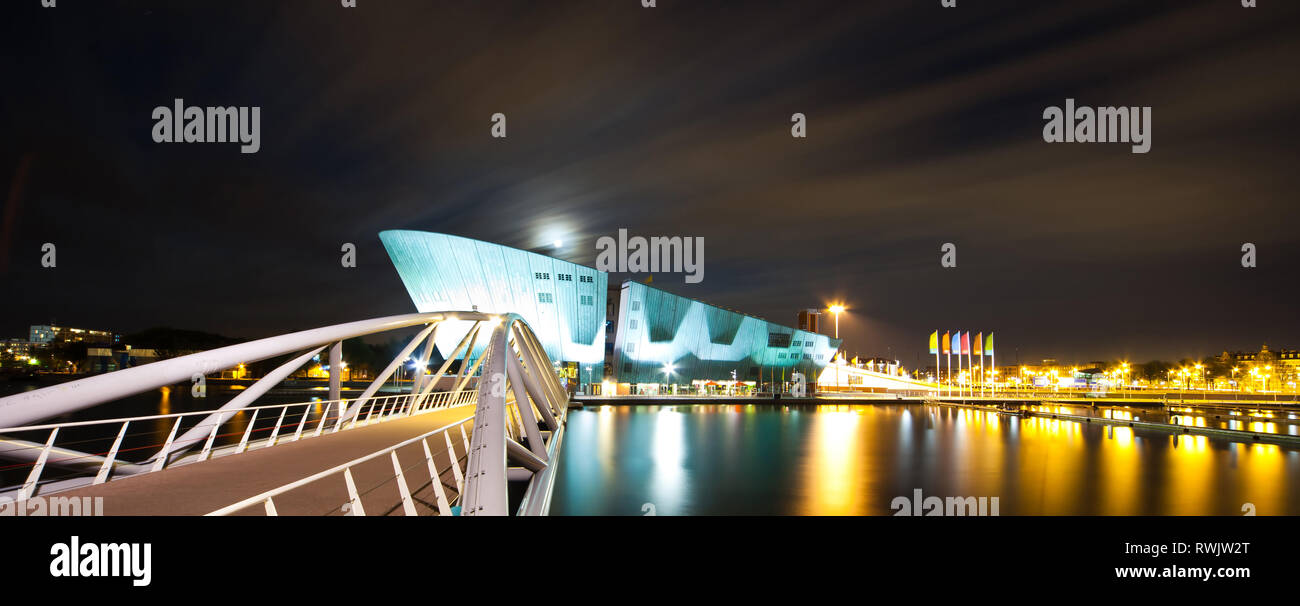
[631,347]
[541,275]
[564,277]
[797,344]
[585,279]
[776,339]
[636,306]
[586,299]
[631,324]
[544,297]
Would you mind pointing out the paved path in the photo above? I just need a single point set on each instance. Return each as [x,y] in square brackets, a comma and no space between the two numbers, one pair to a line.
[199,488]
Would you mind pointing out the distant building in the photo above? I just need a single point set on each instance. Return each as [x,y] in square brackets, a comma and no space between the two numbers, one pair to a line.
[63,334]
[19,347]
[108,359]
[1282,364]
[810,320]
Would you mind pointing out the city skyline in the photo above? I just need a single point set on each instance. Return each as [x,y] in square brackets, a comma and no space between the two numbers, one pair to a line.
[913,141]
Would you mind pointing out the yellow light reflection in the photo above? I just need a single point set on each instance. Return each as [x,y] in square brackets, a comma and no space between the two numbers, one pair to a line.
[833,470]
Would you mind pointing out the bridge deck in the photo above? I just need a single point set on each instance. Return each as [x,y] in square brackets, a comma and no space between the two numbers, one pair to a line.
[200,488]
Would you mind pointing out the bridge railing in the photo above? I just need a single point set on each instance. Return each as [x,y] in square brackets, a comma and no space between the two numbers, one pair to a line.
[238,433]
[518,423]
[20,412]
[402,494]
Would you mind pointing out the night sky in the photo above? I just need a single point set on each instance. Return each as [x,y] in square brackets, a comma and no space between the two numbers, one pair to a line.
[924,127]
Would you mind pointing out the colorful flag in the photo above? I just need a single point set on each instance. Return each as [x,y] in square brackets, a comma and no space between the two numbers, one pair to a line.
[988,345]
[965,343]
[956,342]
[979,340]
[934,342]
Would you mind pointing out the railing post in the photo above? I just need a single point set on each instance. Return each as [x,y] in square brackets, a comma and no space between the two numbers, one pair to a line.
[324,415]
[243,442]
[270,507]
[354,499]
[444,507]
[339,424]
[407,506]
[166,449]
[276,432]
[301,422]
[207,446]
[455,465]
[29,487]
[102,476]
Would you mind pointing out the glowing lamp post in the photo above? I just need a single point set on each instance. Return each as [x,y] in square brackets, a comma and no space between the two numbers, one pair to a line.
[836,310]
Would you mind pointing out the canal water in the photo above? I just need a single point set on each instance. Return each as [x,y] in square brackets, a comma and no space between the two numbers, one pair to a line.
[767,459]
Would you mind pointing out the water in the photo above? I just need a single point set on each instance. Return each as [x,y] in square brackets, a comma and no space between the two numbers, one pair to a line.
[856,459]
[1240,418]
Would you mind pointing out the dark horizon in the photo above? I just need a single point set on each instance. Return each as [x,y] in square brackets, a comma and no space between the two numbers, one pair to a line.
[924,127]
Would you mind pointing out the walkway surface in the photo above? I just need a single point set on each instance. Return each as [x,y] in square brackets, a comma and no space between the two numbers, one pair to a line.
[200,488]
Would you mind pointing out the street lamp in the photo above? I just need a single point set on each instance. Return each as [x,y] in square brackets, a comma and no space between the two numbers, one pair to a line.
[668,370]
[836,309]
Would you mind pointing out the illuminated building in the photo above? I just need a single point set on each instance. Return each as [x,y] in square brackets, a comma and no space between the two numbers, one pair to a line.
[572,310]
[64,334]
[705,344]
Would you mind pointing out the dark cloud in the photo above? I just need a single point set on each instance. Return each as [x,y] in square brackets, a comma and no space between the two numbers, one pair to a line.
[924,128]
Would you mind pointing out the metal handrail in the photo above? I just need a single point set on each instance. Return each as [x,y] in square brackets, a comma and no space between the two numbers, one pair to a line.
[181,414]
[388,407]
[266,498]
[520,406]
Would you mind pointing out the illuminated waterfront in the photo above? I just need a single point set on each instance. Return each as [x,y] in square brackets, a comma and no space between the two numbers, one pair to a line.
[855,459]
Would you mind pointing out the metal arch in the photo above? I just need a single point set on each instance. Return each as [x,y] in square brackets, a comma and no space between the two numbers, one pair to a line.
[513,364]
[31,406]
[514,372]
[25,408]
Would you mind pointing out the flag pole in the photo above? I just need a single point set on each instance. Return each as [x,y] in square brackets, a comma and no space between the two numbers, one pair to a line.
[948,341]
[969,364]
[936,363]
[993,361]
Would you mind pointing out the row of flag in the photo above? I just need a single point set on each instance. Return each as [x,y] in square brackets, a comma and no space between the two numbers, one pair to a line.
[960,343]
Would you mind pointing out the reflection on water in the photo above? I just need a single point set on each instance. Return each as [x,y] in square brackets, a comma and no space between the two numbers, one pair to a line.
[854,459]
[1245,419]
